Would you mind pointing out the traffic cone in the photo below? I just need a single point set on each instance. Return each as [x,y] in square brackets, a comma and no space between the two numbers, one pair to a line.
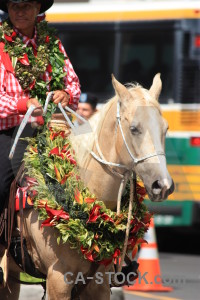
[149,278]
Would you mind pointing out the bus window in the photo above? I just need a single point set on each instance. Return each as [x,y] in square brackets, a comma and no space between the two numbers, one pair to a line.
[91,53]
[145,53]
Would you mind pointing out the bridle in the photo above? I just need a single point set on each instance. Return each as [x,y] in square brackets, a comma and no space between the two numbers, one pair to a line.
[128,171]
[135,160]
[124,177]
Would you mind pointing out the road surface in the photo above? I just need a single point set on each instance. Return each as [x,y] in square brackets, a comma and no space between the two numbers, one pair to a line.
[185,268]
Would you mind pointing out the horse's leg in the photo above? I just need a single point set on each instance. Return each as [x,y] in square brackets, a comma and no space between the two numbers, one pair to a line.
[57,289]
[98,288]
[12,290]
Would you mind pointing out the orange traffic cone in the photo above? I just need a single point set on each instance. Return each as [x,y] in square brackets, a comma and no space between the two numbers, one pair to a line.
[149,278]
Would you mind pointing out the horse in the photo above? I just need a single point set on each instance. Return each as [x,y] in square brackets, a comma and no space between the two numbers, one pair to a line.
[128,136]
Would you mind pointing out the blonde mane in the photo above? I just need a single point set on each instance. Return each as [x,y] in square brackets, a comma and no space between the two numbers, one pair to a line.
[84,143]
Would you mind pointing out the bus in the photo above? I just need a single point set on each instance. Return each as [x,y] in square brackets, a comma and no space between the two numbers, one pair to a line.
[134,40]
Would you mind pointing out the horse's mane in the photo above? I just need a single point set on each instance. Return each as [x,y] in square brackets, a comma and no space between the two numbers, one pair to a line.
[84,143]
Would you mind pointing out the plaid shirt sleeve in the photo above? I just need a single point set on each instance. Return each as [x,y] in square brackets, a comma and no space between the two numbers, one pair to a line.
[12,99]
[71,81]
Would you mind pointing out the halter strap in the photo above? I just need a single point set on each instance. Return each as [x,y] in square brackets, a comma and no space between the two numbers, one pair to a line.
[135,160]
[102,160]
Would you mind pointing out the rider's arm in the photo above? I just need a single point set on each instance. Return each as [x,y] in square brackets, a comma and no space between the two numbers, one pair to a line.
[12,99]
[71,81]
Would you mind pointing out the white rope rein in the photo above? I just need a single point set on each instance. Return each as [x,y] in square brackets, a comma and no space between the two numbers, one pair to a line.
[20,129]
[29,113]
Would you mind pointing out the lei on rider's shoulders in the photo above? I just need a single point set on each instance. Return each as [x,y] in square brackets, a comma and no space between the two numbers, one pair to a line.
[30,65]
[65,203]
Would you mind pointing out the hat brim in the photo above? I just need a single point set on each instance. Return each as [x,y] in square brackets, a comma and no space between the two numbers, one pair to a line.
[45,5]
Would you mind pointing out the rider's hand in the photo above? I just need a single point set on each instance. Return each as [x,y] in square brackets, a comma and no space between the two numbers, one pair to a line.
[62,97]
[38,111]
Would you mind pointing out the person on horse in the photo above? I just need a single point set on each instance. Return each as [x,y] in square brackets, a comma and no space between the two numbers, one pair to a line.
[33,62]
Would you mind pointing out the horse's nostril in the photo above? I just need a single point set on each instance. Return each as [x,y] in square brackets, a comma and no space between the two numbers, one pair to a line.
[157,185]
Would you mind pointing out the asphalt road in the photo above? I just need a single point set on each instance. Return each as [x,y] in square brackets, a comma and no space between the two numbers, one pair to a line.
[182,271]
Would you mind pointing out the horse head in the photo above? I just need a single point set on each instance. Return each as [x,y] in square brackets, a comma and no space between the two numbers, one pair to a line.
[143,130]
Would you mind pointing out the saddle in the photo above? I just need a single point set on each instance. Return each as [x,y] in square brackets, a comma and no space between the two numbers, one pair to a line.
[12,241]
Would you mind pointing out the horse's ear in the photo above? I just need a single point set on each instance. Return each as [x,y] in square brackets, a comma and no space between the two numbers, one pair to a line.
[120,90]
[156,87]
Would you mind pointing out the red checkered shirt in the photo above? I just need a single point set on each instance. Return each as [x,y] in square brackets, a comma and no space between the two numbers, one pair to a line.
[13,99]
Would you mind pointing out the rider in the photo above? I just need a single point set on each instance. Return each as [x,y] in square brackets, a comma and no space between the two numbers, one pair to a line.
[28,71]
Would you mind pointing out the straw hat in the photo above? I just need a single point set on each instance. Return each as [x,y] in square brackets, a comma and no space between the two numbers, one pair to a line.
[45,4]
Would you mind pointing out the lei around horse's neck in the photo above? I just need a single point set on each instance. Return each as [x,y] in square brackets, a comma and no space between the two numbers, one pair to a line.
[30,64]
[65,203]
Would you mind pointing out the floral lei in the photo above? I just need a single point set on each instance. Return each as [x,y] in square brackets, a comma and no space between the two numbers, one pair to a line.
[30,66]
[55,187]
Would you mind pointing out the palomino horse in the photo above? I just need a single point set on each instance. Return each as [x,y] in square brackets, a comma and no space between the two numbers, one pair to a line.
[129,136]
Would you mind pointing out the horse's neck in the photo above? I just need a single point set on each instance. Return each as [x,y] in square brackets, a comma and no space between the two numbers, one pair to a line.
[98,177]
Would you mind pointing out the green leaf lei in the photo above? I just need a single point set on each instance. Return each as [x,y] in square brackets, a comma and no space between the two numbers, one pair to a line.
[30,68]
[66,204]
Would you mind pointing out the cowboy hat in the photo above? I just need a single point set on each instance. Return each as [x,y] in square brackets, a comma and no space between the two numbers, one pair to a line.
[45,4]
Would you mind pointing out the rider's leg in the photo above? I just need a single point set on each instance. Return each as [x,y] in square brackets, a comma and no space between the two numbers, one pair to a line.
[9,168]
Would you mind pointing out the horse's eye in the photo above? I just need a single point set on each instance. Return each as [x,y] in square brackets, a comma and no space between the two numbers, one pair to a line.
[134,130]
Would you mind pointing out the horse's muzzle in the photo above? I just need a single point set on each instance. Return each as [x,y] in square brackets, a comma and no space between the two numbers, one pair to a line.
[161,190]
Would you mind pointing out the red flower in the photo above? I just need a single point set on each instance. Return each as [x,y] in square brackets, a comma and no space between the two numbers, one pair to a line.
[64,178]
[140,190]
[54,215]
[60,46]
[108,261]
[133,244]
[116,253]
[72,160]
[88,254]
[8,38]
[78,196]
[57,173]
[89,200]
[136,228]
[54,151]
[105,217]
[53,135]
[47,40]
[49,68]
[13,34]
[24,60]
[94,213]
[31,85]
[147,218]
